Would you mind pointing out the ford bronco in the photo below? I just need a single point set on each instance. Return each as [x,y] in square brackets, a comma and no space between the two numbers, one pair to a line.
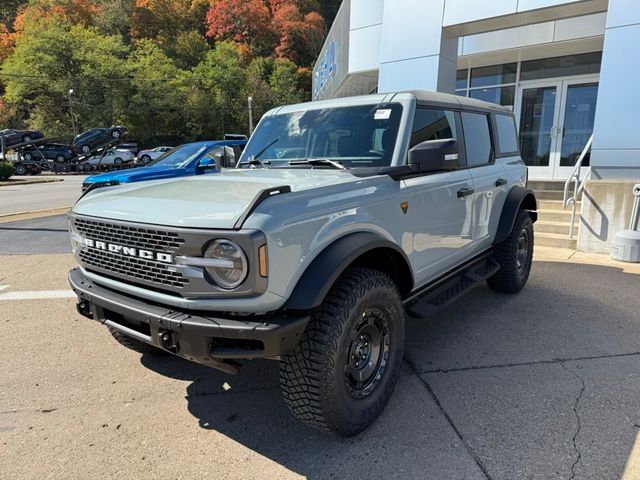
[342,217]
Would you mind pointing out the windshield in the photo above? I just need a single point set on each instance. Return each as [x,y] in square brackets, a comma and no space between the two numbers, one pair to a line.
[359,136]
[179,157]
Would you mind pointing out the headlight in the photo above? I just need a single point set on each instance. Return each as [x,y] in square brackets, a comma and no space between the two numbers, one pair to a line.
[226,263]
[74,237]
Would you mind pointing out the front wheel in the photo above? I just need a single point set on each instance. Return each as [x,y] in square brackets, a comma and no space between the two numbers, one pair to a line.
[115,134]
[343,371]
[145,159]
[60,159]
[514,255]
[21,170]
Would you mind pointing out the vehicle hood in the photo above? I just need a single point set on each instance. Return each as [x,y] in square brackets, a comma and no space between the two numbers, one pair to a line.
[133,175]
[203,201]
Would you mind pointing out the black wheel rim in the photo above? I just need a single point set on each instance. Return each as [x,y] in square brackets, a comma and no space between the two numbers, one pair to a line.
[522,251]
[367,353]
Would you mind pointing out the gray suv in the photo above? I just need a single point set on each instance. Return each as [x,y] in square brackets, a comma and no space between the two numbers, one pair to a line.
[342,217]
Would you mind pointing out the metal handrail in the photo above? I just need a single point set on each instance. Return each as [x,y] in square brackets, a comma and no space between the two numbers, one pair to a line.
[578,185]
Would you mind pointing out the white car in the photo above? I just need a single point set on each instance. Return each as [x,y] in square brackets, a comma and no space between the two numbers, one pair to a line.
[111,157]
[145,156]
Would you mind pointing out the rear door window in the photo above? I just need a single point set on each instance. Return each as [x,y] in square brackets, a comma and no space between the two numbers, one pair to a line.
[507,136]
[477,138]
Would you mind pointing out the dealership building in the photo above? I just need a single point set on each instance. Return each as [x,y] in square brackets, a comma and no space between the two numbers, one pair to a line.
[566,68]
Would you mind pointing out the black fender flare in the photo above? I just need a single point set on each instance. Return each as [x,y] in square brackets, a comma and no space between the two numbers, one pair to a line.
[518,198]
[324,270]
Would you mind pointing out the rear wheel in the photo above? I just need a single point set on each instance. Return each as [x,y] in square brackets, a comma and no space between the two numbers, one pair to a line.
[28,156]
[514,256]
[60,159]
[26,138]
[21,170]
[343,371]
[115,134]
[136,345]
[85,149]
[145,159]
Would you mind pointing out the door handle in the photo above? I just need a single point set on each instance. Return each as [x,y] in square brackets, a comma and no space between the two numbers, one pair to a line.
[465,192]
[501,182]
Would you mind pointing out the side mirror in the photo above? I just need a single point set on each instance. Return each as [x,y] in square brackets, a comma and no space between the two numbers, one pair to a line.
[207,163]
[434,156]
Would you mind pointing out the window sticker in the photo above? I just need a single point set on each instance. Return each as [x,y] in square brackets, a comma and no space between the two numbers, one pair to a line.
[383,114]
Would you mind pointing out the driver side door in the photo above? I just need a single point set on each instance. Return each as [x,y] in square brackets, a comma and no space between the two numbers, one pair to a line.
[439,203]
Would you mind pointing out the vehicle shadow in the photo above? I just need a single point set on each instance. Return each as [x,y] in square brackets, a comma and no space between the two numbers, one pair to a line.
[550,319]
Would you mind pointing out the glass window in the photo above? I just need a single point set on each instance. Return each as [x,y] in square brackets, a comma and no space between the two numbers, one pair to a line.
[500,95]
[179,157]
[461,79]
[494,75]
[507,140]
[432,124]
[358,136]
[476,138]
[461,93]
[561,66]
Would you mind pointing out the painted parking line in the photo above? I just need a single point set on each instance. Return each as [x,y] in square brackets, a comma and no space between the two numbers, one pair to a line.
[37,295]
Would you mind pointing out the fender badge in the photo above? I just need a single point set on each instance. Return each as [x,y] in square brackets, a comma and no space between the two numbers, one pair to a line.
[404,206]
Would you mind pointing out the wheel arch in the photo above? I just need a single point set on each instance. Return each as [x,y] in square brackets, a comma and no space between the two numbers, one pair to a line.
[518,198]
[363,249]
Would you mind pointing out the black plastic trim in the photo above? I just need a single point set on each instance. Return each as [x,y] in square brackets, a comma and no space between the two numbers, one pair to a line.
[325,269]
[257,200]
[517,198]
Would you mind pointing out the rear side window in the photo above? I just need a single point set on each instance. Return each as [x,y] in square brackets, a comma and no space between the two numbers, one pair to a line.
[477,138]
[430,124]
[507,137]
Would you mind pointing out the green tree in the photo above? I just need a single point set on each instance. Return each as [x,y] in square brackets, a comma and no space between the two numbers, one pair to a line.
[155,110]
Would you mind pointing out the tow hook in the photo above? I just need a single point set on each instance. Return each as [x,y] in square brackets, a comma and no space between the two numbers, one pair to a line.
[84,309]
[168,340]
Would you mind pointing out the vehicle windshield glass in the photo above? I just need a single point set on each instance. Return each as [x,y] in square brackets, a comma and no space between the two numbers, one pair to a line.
[178,157]
[358,136]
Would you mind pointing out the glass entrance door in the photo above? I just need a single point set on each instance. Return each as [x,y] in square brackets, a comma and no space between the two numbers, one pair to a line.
[555,122]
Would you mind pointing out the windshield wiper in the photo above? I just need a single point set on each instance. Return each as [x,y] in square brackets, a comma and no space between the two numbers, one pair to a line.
[318,161]
[254,161]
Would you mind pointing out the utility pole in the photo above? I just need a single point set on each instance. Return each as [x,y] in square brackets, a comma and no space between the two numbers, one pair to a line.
[250,103]
[73,120]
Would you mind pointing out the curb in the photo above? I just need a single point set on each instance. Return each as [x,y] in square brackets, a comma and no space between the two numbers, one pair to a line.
[30,182]
[18,216]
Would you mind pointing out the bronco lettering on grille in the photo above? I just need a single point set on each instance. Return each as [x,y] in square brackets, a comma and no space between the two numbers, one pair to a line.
[128,251]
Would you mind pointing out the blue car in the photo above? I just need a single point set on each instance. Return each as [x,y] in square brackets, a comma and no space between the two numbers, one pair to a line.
[188,159]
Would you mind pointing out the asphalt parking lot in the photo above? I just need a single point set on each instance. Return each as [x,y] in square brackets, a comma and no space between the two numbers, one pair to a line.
[541,385]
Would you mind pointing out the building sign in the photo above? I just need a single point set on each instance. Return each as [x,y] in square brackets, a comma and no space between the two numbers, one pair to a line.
[327,68]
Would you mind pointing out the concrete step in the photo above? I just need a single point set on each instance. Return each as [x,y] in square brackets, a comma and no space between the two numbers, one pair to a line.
[555,240]
[555,205]
[556,185]
[549,194]
[561,228]
[561,216]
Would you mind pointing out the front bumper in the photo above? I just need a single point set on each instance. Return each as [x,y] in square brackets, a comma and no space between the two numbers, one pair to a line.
[203,338]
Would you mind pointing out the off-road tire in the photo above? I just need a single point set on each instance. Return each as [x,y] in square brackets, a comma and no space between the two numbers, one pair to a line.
[135,345]
[515,265]
[313,377]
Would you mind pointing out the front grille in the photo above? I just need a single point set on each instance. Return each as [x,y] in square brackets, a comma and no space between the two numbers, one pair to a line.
[145,238]
[127,266]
